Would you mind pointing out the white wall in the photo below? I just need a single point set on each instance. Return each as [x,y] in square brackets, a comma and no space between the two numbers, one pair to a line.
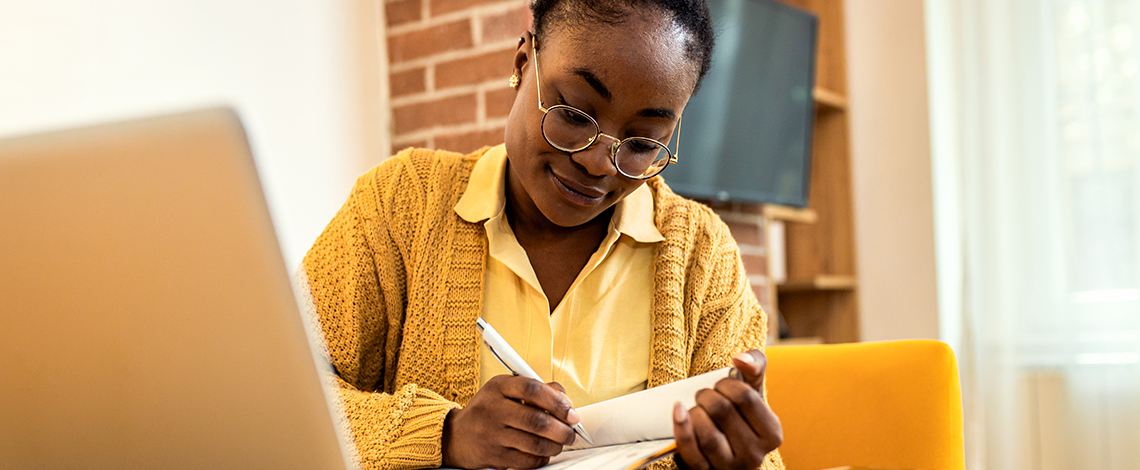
[291,68]
[891,169]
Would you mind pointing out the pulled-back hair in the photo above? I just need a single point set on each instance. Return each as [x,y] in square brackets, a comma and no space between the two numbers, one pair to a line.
[692,15]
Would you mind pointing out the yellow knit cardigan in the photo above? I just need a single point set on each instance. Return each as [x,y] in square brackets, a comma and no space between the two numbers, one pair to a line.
[396,280]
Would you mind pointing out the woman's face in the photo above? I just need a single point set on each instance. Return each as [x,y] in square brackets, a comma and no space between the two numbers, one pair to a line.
[633,78]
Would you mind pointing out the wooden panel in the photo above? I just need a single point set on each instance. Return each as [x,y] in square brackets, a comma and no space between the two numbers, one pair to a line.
[827,246]
[827,314]
[831,56]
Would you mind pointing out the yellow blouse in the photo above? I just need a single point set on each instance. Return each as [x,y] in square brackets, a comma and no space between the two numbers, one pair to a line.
[596,342]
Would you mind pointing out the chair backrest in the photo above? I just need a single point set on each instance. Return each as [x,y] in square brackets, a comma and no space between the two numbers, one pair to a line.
[894,404]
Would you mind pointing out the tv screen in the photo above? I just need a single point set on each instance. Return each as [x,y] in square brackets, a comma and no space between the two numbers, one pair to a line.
[746,135]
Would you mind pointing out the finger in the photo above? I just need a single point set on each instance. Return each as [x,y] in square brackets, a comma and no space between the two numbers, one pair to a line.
[752,364]
[687,447]
[725,416]
[514,458]
[562,390]
[542,396]
[714,446]
[755,411]
[557,386]
[532,420]
[529,443]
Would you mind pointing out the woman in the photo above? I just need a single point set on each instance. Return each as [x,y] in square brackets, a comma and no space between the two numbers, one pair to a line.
[561,238]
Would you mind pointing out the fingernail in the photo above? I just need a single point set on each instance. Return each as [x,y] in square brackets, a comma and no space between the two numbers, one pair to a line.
[680,414]
[572,417]
[746,358]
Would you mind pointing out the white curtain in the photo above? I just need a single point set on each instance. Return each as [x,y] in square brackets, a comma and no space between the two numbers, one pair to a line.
[1035,122]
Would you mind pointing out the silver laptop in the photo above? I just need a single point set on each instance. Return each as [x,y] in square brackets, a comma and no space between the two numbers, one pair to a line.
[146,316]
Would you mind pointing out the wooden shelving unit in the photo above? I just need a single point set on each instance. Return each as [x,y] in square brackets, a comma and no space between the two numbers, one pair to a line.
[819,297]
[789,214]
[822,282]
[829,99]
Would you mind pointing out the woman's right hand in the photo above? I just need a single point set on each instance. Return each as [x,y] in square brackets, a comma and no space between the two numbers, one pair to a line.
[512,422]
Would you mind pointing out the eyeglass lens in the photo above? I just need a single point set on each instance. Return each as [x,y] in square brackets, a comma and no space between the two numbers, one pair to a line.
[571,130]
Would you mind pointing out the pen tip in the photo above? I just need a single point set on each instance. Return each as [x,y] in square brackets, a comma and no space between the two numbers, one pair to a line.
[582,432]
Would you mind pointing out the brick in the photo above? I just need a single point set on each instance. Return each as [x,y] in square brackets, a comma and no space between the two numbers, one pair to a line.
[755,265]
[476,69]
[507,25]
[403,11]
[407,82]
[761,292]
[441,112]
[428,41]
[417,143]
[469,141]
[440,7]
[499,102]
[745,233]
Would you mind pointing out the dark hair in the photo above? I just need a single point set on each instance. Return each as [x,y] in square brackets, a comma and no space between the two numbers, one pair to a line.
[692,15]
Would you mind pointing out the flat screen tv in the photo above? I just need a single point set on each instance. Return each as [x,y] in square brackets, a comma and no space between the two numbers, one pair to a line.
[746,135]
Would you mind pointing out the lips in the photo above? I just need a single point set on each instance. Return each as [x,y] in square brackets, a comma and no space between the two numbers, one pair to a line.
[577,193]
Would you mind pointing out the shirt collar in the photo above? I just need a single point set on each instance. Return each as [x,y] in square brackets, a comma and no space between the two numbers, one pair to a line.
[633,216]
[485,197]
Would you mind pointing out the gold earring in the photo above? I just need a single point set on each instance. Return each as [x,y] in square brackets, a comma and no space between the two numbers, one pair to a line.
[514,82]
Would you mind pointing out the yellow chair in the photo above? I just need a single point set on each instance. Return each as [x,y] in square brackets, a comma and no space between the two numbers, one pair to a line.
[894,404]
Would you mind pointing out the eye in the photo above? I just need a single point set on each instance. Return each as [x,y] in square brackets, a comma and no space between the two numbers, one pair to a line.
[642,146]
[572,117]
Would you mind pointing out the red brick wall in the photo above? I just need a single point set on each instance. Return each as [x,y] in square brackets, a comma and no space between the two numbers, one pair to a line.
[747,226]
[449,61]
[449,64]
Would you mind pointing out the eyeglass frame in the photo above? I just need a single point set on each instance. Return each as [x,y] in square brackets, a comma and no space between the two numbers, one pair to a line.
[597,128]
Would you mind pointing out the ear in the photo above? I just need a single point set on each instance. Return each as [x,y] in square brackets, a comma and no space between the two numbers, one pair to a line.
[523,57]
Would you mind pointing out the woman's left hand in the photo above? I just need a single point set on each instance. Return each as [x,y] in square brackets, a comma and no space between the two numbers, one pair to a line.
[732,426]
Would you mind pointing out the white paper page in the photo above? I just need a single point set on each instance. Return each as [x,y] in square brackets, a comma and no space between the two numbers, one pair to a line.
[642,416]
[618,457]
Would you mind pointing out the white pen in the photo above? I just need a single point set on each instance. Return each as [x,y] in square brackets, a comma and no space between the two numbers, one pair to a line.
[515,363]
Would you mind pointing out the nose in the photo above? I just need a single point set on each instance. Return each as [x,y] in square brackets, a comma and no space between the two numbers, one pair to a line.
[596,158]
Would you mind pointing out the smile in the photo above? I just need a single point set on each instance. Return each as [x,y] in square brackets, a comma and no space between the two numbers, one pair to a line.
[577,193]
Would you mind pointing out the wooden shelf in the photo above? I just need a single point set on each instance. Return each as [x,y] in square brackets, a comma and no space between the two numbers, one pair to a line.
[815,302]
[829,99]
[823,282]
[790,214]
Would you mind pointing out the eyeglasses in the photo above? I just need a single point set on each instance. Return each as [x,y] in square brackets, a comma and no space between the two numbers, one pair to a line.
[571,130]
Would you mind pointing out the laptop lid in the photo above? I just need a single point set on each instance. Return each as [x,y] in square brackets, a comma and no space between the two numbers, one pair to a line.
[147,315]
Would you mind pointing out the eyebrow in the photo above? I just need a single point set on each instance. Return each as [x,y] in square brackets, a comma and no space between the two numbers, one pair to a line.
[604,92]
[657,113]
[594,82]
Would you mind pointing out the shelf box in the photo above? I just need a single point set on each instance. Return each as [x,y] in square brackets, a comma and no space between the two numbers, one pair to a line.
[828,99]
[823,282]
[790,214]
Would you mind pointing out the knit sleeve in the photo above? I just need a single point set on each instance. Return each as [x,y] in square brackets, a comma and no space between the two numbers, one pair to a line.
[356,279]
[732,320]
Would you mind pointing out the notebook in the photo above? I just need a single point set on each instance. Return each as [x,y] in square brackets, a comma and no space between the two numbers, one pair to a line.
[148,318]
[632,431]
